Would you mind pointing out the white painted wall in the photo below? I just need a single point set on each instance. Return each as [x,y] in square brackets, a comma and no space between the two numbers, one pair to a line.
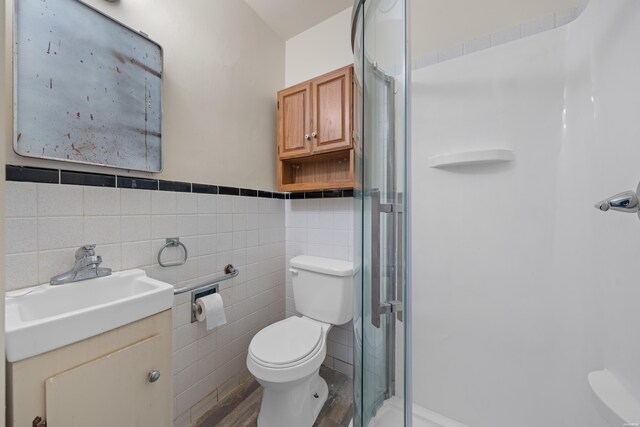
[291,17]
[520,288]
[222,68]
[322,48]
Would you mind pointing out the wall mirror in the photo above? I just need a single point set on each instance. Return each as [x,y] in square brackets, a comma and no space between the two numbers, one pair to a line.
[87,89]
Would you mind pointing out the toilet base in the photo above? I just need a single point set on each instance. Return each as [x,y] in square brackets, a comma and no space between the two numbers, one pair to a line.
[292,404]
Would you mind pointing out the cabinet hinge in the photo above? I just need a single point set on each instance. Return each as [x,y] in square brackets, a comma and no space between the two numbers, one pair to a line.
[278,103]
[39,422]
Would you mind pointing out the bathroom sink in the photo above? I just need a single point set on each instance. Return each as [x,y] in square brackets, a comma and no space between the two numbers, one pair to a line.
[45,317]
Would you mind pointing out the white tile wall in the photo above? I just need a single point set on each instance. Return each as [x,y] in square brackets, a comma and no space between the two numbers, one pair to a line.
[505,35]
[45,223]
[323,227]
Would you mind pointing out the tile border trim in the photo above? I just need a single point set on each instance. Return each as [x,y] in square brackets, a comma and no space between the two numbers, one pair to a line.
[58,176]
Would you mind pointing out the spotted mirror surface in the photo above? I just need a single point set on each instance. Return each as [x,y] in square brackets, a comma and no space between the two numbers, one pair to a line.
[87,89]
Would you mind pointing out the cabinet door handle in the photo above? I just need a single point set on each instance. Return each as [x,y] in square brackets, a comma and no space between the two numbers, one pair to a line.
[306,137]
[315,134]
[153,376]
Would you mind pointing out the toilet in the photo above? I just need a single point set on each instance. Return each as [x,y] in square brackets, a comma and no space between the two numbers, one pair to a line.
[285,357]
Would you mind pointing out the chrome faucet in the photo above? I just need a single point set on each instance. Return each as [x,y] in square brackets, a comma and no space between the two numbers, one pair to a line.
[87,266]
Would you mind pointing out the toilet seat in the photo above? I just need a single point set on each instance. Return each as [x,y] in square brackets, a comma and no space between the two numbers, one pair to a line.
[286,343]
[288,350]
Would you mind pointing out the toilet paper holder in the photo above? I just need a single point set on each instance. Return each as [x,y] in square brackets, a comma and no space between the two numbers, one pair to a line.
[199,293]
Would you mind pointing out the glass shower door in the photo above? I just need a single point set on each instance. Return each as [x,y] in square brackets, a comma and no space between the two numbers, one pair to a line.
[379,141]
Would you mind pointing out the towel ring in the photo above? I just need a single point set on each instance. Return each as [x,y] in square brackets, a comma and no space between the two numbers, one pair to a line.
[172,242]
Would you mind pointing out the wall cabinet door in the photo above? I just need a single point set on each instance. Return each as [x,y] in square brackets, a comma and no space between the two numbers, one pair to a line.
[294,121]
[113,390]
[332,101]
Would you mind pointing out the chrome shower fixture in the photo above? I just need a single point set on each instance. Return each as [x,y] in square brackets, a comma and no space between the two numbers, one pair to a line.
[622,202]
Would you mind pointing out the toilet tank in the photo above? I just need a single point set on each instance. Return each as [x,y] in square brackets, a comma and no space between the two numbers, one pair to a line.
[323,288]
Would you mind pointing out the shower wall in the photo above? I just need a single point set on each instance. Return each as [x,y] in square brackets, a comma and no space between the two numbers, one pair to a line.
[521,287]
[443,23]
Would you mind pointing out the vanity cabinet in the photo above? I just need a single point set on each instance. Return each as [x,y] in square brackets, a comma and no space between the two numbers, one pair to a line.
[315,148]
[108,380]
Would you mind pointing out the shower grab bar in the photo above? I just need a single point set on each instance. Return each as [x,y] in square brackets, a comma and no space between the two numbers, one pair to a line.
[230,272]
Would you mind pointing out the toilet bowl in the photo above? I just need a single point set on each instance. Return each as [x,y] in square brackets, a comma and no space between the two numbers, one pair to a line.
[285,357]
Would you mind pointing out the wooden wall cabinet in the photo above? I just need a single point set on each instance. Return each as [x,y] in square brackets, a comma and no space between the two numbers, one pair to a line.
[99,382]
[315,122]
[294,121]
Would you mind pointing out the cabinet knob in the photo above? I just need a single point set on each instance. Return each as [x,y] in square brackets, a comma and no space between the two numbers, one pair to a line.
[315,134]
[306,137]
[153,376]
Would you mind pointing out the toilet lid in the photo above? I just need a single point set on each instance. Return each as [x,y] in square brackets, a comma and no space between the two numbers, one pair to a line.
[286,342]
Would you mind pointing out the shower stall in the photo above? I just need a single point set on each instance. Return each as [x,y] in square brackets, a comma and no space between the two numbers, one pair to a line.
[490,291]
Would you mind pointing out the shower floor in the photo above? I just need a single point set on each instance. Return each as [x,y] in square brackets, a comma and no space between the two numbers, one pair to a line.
[240,408]
[391,415]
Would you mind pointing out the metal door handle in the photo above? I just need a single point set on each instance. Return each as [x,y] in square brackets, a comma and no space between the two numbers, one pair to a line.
[399,257]
[378,307]
[314,134]
[375,258]
[306,137]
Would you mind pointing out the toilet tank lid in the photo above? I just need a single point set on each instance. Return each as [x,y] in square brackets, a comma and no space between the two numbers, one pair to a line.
[334,267]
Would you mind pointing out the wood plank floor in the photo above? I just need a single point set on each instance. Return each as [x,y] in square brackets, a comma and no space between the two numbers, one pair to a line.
[240,408]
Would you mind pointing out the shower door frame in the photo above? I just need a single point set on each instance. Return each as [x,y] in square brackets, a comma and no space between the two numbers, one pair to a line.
[396,265]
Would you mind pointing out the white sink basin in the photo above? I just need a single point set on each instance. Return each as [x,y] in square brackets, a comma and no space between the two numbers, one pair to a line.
[45,317]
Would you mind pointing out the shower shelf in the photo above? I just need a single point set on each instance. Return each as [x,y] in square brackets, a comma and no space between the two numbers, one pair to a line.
[616,404]
[477,157]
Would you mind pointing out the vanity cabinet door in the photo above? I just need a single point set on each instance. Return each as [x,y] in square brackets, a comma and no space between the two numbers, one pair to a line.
[332,101]
[113,390]
[294,121]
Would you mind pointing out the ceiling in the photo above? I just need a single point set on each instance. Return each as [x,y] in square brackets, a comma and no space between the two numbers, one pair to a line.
[291,17]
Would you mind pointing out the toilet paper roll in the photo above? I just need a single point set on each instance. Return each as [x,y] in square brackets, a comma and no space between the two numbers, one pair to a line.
[210,309]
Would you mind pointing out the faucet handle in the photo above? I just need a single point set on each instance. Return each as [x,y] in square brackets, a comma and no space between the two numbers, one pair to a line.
[622,202]
[628,201]
[85,251]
